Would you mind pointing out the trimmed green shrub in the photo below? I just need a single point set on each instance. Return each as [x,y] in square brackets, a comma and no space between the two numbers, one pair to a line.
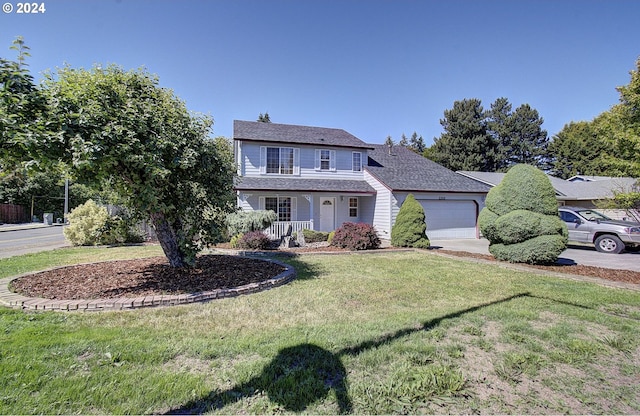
[487,223]
[523,187]
[543,249]
[520,225]
[254,240]
[312,236]
[87,223]
[410,226]
[520,218]
[330,237]
[244,221]
[356,236]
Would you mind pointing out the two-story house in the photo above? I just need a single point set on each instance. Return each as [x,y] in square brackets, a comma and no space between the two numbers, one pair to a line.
[319,178]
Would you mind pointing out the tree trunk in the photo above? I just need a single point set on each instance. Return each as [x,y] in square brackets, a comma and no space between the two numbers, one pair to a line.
[168,240]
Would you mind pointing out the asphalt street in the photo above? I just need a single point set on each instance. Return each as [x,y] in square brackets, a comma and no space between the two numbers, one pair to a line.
[587,256]
[30,239]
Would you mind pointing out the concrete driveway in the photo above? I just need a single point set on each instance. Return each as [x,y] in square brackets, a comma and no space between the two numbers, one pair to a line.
[587,256]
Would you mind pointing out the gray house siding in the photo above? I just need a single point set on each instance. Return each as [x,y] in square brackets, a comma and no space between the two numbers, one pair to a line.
[251,160]
[380,209]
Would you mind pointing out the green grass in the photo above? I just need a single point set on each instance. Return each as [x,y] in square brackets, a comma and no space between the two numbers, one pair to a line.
[367,333]
[13,266]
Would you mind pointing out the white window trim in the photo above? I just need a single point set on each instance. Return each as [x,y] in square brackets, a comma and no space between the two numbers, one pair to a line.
[332,161]
[353,166]
[357,207]
[294,205]
[296,161]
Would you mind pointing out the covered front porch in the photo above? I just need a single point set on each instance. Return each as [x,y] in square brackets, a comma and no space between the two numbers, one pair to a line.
[282,228]
[313,211]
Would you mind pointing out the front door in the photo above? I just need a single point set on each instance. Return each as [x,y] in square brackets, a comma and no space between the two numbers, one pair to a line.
[327,214]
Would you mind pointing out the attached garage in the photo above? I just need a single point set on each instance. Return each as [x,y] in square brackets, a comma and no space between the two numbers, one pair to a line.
[450,218]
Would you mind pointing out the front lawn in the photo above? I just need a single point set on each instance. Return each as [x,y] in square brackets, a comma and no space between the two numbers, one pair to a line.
[361,333]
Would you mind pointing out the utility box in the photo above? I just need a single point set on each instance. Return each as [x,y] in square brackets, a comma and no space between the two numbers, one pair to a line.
[48,218]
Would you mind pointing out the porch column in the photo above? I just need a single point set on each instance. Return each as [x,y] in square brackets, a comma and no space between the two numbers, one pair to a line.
[309,198]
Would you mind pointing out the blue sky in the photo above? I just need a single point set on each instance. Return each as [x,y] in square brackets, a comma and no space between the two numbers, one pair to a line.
[374,68]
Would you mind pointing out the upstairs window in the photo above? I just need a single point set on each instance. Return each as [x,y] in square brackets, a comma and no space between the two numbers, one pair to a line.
[279,160]
[356,159]
[325,160]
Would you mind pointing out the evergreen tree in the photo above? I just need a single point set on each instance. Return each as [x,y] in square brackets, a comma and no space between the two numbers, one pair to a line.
[529,142]
[518,135]
[500,128]
[410,226]
[415,143]
[465,143]
[264,118]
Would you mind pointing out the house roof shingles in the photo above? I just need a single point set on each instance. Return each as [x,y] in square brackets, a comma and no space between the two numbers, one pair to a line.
[288,133]
[405,170]
[303,185]
[601,188]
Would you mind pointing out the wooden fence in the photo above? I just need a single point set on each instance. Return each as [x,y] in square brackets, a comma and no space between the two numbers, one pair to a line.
[13,214]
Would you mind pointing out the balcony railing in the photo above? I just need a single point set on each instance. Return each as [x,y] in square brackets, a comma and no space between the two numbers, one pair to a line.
[280,228]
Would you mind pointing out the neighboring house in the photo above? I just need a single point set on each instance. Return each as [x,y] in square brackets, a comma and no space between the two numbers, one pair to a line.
[578,191]
[318,178]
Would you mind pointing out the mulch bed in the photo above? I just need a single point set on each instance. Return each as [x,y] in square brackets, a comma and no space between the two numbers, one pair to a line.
[154,276]
[145,277]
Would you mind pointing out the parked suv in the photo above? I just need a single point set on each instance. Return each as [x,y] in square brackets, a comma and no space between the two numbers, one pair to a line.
[591,227]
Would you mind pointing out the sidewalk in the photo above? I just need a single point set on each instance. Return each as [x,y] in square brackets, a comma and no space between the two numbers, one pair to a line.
[26,226]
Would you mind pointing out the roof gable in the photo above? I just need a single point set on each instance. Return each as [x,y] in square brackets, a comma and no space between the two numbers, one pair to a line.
[289,133]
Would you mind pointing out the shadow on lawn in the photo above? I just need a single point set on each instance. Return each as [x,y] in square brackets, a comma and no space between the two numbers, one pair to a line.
[303,374]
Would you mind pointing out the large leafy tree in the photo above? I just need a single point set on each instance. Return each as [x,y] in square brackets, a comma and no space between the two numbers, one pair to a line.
[465,143]
[610,142]
[30,174]
[122,127]
[23,112]
[624,136]
[576,150]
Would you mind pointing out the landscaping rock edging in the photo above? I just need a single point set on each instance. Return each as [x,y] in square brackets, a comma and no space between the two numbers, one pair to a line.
[17,301]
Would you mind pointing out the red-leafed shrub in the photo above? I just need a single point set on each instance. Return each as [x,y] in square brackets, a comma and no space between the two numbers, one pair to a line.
[356,236]
[254,240]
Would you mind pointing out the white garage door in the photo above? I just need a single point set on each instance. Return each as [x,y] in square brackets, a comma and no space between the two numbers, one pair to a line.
[450,219]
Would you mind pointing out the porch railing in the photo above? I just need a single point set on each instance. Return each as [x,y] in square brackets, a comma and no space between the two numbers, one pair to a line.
[280,228]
